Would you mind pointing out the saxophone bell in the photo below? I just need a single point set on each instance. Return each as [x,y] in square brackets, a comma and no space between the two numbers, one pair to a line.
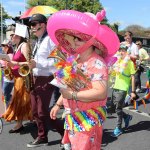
[24,70]
[8,73]
[57,53]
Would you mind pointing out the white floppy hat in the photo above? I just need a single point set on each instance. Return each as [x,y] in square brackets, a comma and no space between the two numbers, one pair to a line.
[21,30]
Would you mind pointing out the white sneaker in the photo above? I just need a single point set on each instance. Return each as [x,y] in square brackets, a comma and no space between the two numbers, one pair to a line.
[67,146]
[138,90]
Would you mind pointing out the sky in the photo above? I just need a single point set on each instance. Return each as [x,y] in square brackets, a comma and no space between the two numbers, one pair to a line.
[124,12]
[127,12]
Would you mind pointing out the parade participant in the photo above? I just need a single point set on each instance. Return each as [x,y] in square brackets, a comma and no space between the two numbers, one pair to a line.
[20,106]
[132,47]
[143,56]
[42,91]
[85,111]
[7,83]
[132,50]
[125,71]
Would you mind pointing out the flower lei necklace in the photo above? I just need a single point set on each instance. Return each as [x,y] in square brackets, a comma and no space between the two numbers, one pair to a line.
[120,65]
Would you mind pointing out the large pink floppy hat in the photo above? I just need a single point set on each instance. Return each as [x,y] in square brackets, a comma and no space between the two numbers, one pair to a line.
[85,26]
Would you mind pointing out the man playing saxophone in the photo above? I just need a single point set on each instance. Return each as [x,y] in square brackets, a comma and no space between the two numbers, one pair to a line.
[42,75]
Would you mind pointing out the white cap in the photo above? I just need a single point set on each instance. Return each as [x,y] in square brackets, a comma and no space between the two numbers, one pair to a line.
[5,42]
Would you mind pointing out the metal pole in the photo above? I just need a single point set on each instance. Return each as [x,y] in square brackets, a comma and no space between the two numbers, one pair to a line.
[24,5]
[66,4]
[1,22]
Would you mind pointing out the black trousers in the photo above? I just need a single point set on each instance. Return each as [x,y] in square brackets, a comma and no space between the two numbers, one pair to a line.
[138,79]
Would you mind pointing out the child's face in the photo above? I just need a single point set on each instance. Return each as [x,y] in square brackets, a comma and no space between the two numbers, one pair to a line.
[70,39]
[5,48]
[123,52]
[74,41]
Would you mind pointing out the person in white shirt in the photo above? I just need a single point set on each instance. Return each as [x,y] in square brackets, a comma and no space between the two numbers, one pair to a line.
[143,56]
[132,47]
[132,51]
[42,75]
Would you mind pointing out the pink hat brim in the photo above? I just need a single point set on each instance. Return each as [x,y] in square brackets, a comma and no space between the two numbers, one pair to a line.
[81,22]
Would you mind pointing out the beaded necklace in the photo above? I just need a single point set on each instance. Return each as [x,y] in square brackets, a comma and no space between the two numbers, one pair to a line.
[120,65]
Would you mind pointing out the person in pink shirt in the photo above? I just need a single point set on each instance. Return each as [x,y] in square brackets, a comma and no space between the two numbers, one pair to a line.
[7,84]
[92,44]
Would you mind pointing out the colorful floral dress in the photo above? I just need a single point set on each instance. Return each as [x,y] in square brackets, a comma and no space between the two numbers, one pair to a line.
[83,122]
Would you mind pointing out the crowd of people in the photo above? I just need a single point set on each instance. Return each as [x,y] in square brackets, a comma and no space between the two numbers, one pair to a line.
[92,45]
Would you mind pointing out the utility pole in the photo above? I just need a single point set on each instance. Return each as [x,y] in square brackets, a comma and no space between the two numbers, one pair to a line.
[1,22]
[66,4]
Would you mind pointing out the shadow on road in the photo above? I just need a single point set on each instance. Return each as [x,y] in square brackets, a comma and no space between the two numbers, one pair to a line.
[54,125]
[143,125]
[54,142]
[31,128]
[107,138]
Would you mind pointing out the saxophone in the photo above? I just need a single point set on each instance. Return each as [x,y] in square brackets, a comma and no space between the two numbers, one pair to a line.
[26,72]
[8,73]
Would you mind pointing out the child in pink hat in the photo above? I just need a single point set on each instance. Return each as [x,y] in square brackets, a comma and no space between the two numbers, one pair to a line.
[81,34]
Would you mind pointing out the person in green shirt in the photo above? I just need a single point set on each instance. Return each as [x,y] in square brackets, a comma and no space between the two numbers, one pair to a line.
[125,70]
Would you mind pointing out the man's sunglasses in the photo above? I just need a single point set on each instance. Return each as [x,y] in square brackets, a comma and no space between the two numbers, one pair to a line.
[11,35]
[33,24]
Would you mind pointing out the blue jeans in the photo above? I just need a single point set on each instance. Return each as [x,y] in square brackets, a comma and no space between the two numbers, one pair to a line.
[7,88]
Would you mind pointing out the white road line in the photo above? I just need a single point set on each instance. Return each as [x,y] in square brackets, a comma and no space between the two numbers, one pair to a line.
[137,112]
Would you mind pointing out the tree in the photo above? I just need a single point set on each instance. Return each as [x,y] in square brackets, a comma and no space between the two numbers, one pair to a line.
[92,6]
[4,17]
[137,30]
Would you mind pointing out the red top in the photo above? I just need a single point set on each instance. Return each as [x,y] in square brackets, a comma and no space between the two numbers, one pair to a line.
[19,57]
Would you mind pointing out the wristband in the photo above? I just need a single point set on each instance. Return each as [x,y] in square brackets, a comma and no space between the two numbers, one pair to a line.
[58,105]
[133,92]
[74,95]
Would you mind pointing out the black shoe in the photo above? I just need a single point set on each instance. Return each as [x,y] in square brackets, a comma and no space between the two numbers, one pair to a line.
[17,130]
[38,142]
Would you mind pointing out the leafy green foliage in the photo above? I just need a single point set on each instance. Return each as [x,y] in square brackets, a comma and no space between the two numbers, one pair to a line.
[92,6]
[81,5]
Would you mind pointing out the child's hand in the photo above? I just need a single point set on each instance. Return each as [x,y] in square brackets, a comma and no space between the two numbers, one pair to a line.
[54,111]
[133,96]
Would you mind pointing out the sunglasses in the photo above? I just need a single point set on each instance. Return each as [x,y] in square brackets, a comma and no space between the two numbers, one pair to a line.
[3,45]
[12,35]
[138,44]
[33,24]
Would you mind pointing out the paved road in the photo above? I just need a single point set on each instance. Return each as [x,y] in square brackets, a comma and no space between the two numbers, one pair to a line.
[137,137]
